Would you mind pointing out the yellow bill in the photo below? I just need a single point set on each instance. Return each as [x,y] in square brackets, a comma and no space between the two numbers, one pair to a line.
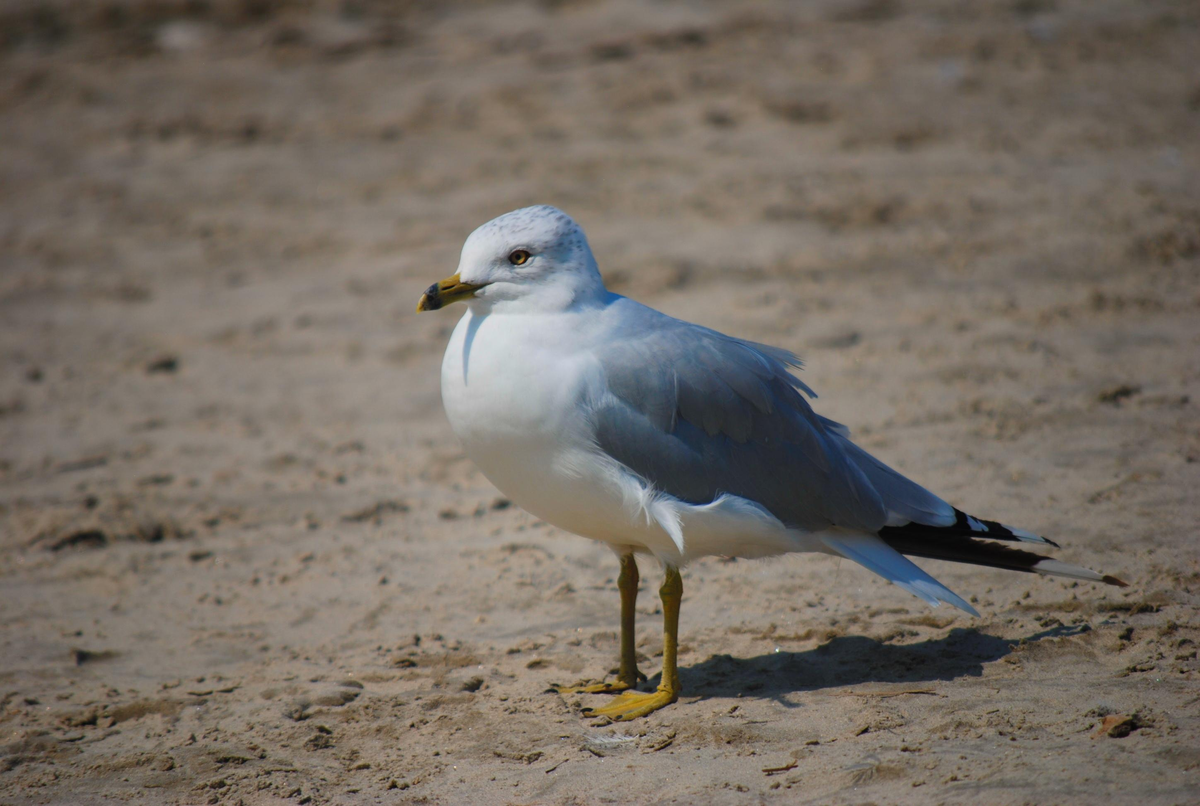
[445,292]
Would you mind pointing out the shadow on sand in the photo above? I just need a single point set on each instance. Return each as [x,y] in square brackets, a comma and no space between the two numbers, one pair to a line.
[854,660]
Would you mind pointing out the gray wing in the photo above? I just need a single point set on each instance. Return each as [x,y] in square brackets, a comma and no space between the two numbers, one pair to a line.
[697,414]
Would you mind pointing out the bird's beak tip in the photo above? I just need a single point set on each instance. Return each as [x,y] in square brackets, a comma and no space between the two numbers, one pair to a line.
[439,295]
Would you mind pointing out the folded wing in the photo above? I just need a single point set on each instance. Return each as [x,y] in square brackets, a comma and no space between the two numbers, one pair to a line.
[696,414]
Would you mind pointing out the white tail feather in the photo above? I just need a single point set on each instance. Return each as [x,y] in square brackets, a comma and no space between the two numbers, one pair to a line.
[1055,568]
[872,553]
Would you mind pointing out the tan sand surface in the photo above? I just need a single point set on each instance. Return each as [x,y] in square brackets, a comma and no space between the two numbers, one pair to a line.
[244,561]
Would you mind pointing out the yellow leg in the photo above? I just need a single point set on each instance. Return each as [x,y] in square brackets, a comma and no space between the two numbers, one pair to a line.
[633,704]
[628,674]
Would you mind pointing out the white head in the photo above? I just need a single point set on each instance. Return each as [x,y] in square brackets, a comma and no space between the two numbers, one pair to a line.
[535,259]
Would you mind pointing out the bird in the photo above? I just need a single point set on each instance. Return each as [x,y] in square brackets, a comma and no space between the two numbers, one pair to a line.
[662,438]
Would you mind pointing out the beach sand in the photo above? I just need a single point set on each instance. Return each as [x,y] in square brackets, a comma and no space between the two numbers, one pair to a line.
[243,559]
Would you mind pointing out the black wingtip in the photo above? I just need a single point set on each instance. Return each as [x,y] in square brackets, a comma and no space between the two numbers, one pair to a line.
[1111,580]
[968,526]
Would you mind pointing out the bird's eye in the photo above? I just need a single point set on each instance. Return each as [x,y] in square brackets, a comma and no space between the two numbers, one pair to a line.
[518,257]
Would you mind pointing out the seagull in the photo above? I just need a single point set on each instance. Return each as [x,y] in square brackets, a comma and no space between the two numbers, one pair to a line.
[659,437]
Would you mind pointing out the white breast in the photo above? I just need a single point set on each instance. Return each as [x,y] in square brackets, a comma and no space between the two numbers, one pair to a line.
[519,410]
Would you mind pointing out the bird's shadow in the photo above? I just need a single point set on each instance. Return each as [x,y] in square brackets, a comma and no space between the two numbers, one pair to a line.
[854,660]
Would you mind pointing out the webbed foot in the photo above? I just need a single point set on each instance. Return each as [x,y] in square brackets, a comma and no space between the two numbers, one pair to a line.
[633,704]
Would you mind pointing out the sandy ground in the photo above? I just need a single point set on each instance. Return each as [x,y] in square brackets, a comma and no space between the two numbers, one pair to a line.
[243,559]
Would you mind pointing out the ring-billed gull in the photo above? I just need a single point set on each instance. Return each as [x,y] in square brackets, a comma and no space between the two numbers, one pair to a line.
[656,436]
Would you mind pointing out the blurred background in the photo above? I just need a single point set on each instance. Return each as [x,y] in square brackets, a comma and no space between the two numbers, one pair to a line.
[229,500]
